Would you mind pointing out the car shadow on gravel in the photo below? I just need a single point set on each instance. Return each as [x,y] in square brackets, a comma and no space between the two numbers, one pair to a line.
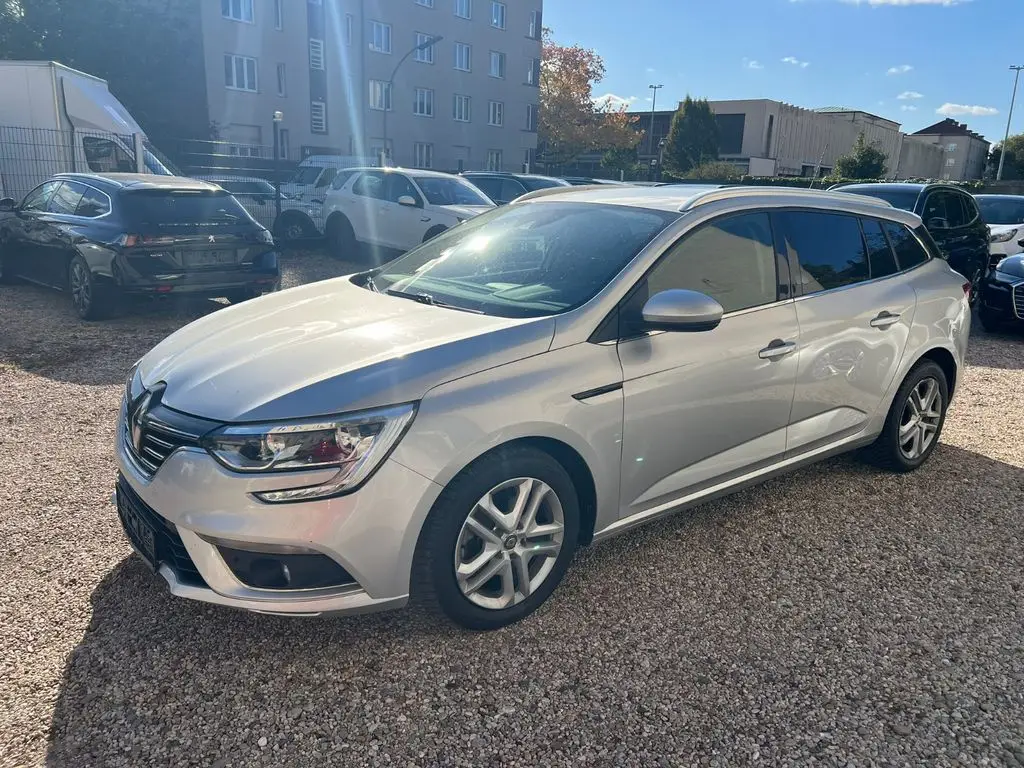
[778,589]
[1004,349]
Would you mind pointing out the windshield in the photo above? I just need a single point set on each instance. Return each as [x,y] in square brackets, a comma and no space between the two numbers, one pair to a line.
[896,197]
[178,207]
[440,191]
[527,260]
[534,183]
[307,175]
[1001,210]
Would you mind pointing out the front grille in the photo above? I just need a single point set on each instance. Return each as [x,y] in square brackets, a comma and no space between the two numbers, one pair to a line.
[152,431]
[169,547]
[1018,301]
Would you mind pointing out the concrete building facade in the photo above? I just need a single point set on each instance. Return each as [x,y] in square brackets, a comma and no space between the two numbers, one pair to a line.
[964,152]
[469,100]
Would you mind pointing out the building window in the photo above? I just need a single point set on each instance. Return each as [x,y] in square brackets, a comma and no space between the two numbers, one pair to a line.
[536,25]
[380,95]
[531,117]
[380,37]
[951,147]
[237,10]
[282,81]
[497,64]
[240,72]
[950,162]
[425,3]
[423,104]
[461,108]
[463,56]
[350,23]
[282,144]
[424,55]
[533,73]
[464,9]
[498,15]
[317,117]
[493,159]
[423,155]
[316,53]
[495,113]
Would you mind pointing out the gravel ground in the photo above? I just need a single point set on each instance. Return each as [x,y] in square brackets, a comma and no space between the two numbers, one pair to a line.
[837,616]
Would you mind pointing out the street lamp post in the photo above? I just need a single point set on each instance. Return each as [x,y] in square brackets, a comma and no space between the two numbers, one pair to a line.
[1002,155]
[278,117]
[654,101]
[661,157]
[386,153]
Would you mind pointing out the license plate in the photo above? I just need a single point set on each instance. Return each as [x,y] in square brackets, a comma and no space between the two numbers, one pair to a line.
[139,532]
[209,258]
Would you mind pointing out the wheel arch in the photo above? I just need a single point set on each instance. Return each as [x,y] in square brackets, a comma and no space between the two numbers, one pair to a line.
[434,231]
[946,361]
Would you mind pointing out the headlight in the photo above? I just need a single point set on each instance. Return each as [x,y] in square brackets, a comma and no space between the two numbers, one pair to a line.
[355,444]
[1003,237]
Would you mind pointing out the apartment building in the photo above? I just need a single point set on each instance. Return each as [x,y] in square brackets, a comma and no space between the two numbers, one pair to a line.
[964,152]
[447,84]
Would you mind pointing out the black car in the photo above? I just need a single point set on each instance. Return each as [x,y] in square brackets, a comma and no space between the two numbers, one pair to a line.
[99,236]
[505,187]
[949,214]
[1002,295]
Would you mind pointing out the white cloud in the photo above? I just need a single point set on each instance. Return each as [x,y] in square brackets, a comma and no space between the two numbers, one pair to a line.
[958,110]
[614,101]
[909,95]
[796,62]
[752,64]
[908,108]
[651,70]
[902,69]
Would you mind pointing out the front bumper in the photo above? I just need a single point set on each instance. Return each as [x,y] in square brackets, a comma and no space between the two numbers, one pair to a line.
[371,533]
[1002,299]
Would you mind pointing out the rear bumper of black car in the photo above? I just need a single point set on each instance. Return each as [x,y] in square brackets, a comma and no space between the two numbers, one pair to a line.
[263,273]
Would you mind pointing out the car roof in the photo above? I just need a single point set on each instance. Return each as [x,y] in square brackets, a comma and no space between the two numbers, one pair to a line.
[228,177]
[510,175]
[685,198]
[419,173]
[1000,197]
[134,181]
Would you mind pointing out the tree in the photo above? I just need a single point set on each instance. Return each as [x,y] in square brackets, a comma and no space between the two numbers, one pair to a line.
[863,162]
[1013,168]
[570,123]
[692,138]
[620,159]
[714,170]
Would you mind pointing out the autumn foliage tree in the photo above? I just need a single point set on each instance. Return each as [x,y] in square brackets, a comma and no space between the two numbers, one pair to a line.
[570,123]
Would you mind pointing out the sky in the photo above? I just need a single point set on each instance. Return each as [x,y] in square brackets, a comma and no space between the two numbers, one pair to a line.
[913,61]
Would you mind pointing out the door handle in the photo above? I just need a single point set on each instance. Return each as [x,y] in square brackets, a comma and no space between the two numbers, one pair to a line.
[885,319]
[776,349]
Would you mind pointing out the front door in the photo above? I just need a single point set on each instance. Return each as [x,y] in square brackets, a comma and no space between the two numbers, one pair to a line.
[704,407]
[855,309]
[25,247]
[406,225]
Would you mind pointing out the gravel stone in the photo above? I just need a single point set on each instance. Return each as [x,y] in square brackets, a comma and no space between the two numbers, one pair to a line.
[835,616]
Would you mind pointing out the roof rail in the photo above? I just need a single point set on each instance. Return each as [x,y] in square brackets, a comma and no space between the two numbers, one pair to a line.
[726,193]
[556,190]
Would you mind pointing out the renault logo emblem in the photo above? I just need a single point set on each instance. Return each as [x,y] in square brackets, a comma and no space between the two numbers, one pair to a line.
[136,421]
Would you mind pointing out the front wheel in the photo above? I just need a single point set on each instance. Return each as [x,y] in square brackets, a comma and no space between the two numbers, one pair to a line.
[915,420]
[499,539]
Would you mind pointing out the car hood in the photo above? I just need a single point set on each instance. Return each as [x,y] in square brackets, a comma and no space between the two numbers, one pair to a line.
[328,347]
[465,211]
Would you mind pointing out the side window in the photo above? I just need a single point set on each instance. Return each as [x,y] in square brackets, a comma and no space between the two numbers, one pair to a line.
[340,178]
[370,185]
[956,210]
[826,249]
[326,177]
[511,189]
[971,212]
[37,199]
[909,252]
[730,259]
[94,203]
[942,210]
[399,185]
[489,185]
[66,197]
[880,257]
[105,156]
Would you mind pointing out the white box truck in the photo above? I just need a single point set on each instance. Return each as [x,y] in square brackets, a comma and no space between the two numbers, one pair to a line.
[56,119]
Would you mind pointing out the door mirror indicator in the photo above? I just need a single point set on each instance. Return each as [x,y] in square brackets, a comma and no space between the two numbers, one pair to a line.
[407,200]
[682,310]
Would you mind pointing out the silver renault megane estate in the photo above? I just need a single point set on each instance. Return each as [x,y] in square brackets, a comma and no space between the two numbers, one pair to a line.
[452,426]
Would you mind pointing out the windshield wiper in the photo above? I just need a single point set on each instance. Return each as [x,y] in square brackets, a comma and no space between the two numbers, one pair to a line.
[426,298]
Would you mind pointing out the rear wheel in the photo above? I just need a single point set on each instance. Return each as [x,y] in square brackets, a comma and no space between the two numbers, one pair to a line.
[915,420]
[91,299]
[499,539]
[341,238]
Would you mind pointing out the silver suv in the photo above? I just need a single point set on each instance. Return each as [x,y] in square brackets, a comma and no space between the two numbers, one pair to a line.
[454,425]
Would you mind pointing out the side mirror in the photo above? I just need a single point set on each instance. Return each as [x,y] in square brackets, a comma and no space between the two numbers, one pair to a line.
[8,204]
[682,310]
[408,200]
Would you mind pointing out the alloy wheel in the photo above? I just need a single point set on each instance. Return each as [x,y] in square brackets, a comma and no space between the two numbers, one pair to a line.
[509,543]
[919,422]
[81,287]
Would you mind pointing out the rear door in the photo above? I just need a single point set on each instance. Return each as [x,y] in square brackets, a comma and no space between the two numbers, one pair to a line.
[60,220]
[945,217]
[855,310]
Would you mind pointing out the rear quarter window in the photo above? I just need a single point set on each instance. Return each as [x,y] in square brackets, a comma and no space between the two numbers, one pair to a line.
[909,252]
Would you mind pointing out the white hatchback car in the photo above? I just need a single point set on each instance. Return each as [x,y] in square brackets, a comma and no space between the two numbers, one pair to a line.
[397,209]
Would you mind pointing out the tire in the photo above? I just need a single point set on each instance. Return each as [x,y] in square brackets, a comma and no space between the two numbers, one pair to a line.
[887,451]
[989,321]
[6,276]
[447,536]
[434,232]
[290,227]
[92,300]
[341,238]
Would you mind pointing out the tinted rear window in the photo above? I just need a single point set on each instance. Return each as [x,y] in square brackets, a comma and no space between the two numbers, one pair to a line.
[898,198]
[828,248]
[176,207]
